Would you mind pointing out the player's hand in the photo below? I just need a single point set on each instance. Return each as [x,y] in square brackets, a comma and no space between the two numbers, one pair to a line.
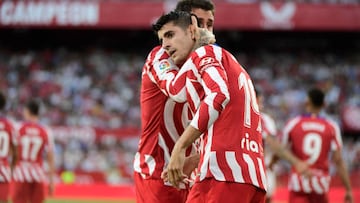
[348,197]
[202,35]
[164,176]
[175,167]
[303,168]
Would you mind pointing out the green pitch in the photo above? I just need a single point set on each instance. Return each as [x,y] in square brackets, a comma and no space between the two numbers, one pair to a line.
[88,201]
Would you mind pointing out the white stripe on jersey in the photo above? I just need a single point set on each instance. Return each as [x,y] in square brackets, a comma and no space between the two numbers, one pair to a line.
[204,166]
[201,51]
[218,53]
[262,173]
[294,184]
[325,182]
[234,166]
[26,172]
[193,94]
[214,167]
[18,175]
[169,123]
[305,182]
[5,174]
[163,146]
[137,163]
[151,163]
[252,170]
[337,135]
[194,122]
[34,174]
[288,128]
[185,120]
[214,74]
[316,186]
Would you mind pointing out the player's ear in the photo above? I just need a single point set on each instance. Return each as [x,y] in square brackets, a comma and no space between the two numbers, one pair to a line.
[194,29]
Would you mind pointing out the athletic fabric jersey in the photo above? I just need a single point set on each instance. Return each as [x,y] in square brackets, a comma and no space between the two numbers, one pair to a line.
[6,140]
[268,129]
[221,96]
[163,119]
[31,142]
[312,139]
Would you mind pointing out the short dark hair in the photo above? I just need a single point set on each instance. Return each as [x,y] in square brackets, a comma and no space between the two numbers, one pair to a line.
[316,97]
[33,106]
[180,18]
[2,101]
[188,5]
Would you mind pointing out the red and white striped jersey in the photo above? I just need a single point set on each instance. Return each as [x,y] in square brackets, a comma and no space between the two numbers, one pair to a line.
[268,129]
[268,125]
[221,95]
[6,140]
[312,139]
[163,119]
[32,142]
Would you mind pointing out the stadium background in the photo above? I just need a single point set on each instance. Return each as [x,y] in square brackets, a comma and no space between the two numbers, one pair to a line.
[84,60]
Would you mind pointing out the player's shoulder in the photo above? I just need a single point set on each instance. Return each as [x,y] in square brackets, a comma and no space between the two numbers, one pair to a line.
[267,118]
[5,121]
[209,49]
[294,121]
[157,53]
[331,122]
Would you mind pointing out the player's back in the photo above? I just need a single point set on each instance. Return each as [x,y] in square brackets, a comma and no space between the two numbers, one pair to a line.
[313,139]
[32,141]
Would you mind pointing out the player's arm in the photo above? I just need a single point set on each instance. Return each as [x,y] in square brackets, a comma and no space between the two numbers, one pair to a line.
[343,173]
[50,159]
[164,73]
[283,153]
[283,149]
[175,172]
[51,162]
[215,85]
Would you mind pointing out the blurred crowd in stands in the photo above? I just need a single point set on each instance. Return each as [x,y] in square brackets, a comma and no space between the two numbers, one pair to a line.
[100,88]
[255,1]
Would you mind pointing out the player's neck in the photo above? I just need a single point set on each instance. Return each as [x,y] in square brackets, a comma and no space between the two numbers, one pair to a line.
[315,113]
[33,119]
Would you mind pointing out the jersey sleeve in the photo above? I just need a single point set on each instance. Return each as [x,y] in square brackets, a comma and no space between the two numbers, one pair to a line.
[162,71]
[50,139]
[268,126]
[210,73]
[286,138]
[336,142]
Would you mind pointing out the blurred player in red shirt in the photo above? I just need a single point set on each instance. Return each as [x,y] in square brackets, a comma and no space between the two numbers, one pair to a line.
[163,120]
[313,138]
[33,141]
[6,150]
